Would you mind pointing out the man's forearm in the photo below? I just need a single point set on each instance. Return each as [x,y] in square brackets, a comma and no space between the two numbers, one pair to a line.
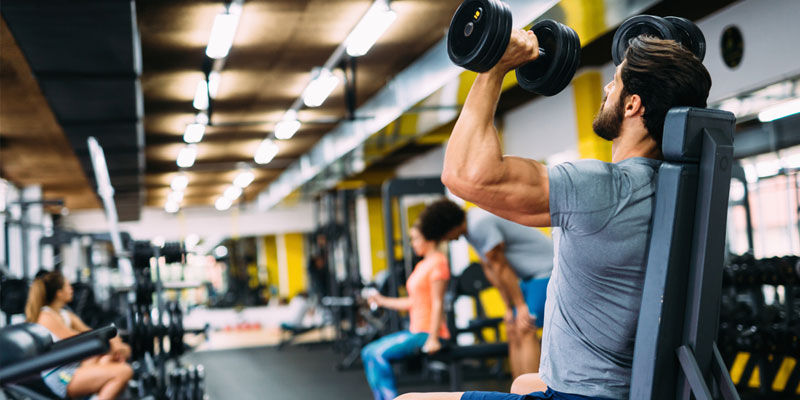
[511,283]
[494,277]
[473,152]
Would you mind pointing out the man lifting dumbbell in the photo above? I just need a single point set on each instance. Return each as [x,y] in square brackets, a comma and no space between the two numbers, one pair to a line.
[601,211]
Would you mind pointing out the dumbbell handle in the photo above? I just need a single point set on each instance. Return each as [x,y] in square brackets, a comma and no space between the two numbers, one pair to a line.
[542,54]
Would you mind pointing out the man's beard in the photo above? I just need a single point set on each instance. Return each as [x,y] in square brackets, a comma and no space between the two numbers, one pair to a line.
[608,122]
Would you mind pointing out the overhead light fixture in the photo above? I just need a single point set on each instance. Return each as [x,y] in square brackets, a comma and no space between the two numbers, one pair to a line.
[768,168]
[194,133]
[223,203]
[179,182]
[201,118]
[222,33]
[267,150]
[171,207]
[244,179]
[320,88]
[175,197]
[187,156]
[288,126]
[221,251]
[232,192]
[213,84]
[374,23]
[792,161]
[201,96]
[779,111]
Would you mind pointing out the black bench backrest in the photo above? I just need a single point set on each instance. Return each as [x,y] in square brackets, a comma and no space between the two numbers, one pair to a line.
[682,286]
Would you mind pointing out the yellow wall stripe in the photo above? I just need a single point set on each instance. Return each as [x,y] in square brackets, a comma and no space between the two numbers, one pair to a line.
[377,241]
[296,263]
[588,89]
[784,372]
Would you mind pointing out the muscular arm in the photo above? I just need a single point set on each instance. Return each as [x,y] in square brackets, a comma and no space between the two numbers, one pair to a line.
[474,166]
[506,279]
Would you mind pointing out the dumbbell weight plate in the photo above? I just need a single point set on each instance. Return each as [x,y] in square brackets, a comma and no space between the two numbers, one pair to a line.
[640,25]
[690,36]
[478,34]
[553,70]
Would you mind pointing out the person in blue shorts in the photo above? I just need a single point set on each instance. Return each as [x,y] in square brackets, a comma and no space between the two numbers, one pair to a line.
[517,260]
[600,212]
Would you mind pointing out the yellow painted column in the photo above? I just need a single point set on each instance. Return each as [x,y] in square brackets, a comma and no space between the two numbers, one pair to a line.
[295,263]
[588,88]
[377,242]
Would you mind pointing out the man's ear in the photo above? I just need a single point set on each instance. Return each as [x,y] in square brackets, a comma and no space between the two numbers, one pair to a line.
[633,106]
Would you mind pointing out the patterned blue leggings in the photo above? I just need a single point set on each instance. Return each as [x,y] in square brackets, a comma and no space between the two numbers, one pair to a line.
[377,357]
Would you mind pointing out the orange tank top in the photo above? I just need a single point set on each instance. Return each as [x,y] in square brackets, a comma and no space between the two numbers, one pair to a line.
[419,286]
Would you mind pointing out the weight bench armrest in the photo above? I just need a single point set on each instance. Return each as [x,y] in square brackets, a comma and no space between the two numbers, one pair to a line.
[105,333]
[34,365]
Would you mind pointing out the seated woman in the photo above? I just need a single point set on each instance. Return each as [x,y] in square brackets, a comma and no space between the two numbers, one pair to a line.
[107,375]
[426,288]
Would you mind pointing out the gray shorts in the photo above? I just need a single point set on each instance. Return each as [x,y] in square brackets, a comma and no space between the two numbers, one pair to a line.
[59,377]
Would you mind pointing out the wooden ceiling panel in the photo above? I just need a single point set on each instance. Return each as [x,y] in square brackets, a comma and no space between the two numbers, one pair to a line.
[276,46]
[33,147]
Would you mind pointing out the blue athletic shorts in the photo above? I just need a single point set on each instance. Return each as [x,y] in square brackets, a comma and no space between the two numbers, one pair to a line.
[535,293]
[548,395]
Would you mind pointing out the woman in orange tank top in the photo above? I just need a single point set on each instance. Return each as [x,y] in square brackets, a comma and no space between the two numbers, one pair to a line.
[426,287]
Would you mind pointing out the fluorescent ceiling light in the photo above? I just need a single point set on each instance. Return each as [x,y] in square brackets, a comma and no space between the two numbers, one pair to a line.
[792,161]
[187,155]
[374,23]
[201,118]
[179,182]
[194,133]
[222,34]
[223,203]
[244,179]
[779,111]
[175,197]
[267,150]
[232,192]
[213,84]
[201,96]
[288,126]
[320,88]
[171,207]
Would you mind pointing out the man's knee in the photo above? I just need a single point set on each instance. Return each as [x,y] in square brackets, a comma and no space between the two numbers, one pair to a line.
[528,383]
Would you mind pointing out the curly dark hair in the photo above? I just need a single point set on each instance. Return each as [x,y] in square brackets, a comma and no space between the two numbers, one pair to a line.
[665,75]
[439,218]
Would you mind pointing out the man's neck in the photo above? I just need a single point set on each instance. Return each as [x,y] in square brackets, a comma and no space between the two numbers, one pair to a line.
[634,144]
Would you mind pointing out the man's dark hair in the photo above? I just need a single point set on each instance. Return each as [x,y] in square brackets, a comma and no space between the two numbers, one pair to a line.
[665,75]
[439,218]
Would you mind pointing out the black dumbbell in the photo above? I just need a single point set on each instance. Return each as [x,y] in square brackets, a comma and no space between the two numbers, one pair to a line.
[479,34]
[679,29]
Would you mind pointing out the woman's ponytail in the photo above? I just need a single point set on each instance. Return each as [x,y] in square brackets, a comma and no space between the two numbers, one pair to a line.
[36,300]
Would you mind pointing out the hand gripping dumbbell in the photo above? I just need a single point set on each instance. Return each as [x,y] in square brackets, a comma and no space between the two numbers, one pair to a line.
[479,34]
[678,29]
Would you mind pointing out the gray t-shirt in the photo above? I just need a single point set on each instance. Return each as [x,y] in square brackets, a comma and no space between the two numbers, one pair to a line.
[602,214]
[529,252]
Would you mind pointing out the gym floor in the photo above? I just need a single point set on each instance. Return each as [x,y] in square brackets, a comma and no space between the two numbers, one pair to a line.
[295,373]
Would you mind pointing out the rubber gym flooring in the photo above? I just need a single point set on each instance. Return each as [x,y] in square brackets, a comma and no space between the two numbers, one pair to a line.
[295,373]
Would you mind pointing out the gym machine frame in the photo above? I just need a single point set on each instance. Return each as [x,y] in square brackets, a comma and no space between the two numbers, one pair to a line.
[675,355]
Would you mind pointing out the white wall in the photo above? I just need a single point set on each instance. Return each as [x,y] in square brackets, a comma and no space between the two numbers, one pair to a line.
[427,164]
[206,222]
[542,127]
[771,49]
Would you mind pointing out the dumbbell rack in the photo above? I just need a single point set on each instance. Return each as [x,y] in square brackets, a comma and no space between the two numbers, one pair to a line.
[760,342]
[146,335]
